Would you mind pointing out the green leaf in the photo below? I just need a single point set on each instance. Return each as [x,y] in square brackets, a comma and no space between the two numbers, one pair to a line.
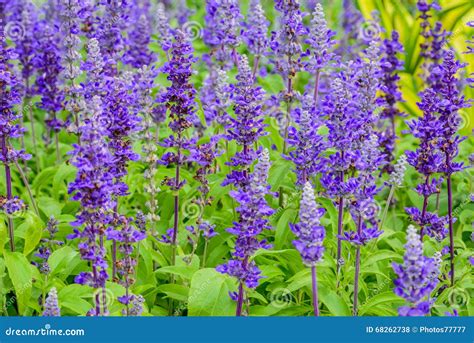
[19,270]
[71,297]
[33,233]
[376,300]
[380,256]
[174,291]
[209,294]
[282,229]
[3,236]
[335,304]
[185,272]
[63,261]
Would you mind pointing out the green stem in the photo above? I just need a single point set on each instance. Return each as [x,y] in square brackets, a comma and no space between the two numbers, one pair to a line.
[27,185]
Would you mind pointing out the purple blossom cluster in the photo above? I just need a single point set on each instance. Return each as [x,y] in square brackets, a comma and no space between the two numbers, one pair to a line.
[253,213]
[206,137]
[417,277]
[309,231]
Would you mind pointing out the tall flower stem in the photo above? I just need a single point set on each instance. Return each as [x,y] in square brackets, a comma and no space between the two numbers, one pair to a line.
[425,207]
[176,204]
[255,66]
[314,283]
[114,259]
[240,297]
[8,182]
[340,217]
[33,133]
[316,86]
[357,269]
[288,112]
[286,130]
[387,205]
[28,188]
[204,254]
[451,233]
[56,140]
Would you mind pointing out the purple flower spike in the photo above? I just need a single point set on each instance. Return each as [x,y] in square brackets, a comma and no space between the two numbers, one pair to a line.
[417,277]
[51,306]
[253,219]
[309,232]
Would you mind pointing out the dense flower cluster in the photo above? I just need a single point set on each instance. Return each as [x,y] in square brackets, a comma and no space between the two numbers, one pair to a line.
[256,30]
[47,61]
[308,147]
[417,277]
[94,187]
[309,232]
[247,125]
[286,42]
[253,219]
[390,65]
[51,306]
[142,235]
[222,28]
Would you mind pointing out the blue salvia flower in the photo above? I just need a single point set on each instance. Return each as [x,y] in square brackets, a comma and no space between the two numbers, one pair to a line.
[72,58]
[286,42]
[320,41]
[351,22]
[306,147]
[179,99]
[94,66]
[253,219]
[391,96]
[449,102]
[126,236]
[247,126]
[24,15]
[222,31]
[9,129]
[215,96]
[309,232]
[94,188]
[109,32]
[47,62]
[138,54]
[163,29]
[255,32]
[51,305]
[417,277]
